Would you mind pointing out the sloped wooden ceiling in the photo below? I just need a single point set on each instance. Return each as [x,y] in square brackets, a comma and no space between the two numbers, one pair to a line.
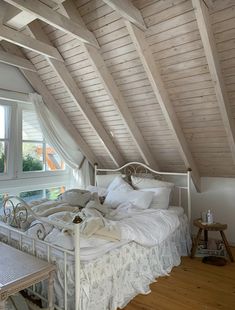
[162,93]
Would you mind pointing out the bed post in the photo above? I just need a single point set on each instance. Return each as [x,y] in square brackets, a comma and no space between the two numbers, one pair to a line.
[77,220]
[189,195]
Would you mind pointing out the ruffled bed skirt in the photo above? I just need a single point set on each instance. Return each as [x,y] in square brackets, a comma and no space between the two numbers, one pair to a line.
[112,280]
[117,277]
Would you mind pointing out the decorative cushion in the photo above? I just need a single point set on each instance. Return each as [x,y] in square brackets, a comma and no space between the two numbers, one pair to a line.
[141,183]
[103,180]
[139,199]
[161,197]
[119,184]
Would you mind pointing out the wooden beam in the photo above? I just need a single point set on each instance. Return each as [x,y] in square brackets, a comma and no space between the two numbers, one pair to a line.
[205,29]
[25,41]
[46,14]
[114,93]
[16,61]
[72,88]
[18,19]
[3,10]
[52,105]
[128,11]
[152,71]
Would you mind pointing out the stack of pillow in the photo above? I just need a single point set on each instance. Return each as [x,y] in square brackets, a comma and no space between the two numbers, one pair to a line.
[145,193]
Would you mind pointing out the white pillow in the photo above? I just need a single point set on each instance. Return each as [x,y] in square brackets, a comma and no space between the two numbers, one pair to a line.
[141,183]
[76,197]
[103,180]
[119,184]
[161,197]
[139,199]
[101,191]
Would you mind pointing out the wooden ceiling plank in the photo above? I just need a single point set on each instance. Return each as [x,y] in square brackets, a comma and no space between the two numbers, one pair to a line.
[52,104]
[27,42]
[114,93]
[152,71]
[72,88]
[128,11]
[206,32]
[16,61]
[46,14]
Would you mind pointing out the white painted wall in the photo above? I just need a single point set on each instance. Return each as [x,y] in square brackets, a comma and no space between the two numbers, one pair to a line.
[12,79]
[218,194]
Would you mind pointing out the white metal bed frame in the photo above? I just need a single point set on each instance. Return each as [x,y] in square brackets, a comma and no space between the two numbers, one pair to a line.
[129,169]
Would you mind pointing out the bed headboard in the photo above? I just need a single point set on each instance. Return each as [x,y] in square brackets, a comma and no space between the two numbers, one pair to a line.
[182,181]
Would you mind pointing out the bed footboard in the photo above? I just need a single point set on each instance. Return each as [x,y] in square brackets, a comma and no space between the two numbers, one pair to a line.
[13,231]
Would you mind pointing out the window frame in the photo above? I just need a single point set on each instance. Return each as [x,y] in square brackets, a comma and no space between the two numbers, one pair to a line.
[14,156]
[32,174]
[10,141]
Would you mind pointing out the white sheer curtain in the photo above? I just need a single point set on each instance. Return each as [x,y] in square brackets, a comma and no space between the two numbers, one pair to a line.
[66,147]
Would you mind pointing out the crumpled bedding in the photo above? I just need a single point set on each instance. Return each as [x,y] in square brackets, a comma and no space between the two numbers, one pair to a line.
[125,224]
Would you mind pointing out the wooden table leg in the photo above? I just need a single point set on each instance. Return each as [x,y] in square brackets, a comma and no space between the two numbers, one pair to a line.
[196,243]
[227,245]
[51,291]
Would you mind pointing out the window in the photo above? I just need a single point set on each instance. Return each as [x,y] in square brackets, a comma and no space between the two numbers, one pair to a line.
[37,155]
[29,166]
[50,193]
[4,116]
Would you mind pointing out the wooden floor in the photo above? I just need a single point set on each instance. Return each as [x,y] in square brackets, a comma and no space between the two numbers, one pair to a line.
[192,285]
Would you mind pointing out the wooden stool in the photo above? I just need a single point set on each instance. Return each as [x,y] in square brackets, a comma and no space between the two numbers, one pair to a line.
[210,227]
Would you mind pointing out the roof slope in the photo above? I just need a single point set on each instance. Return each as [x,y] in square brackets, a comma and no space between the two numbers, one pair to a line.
[175,42]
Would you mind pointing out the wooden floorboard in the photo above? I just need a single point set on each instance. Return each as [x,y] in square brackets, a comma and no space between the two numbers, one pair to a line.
[192,285]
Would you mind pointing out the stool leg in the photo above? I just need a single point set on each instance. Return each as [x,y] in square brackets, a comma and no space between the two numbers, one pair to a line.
[206,238]
[196,243]
[227,245]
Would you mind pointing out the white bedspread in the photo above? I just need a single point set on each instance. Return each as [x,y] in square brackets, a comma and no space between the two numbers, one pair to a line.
[109,229]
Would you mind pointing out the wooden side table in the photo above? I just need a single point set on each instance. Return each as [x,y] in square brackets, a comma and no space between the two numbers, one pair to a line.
[19,270]
[210,227]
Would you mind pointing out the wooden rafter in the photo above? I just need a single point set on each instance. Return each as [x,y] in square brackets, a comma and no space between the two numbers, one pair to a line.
[113,92]
[16,61]
[152,71]
[205,29]
[149,64]
[3,10]
[72,88]
[46,14]
[128,11]
[18,19]
[52,104]
[25,41]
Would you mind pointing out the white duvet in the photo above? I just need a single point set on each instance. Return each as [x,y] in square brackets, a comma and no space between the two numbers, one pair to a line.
[105,229]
